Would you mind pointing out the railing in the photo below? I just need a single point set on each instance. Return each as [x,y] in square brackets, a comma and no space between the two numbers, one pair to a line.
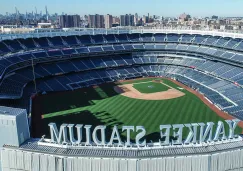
[87,31]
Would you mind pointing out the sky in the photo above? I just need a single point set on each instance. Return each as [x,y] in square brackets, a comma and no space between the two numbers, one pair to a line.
[167,8]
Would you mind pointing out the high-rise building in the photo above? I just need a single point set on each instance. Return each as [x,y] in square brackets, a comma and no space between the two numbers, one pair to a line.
[108,21]
[91,21]
[184,17]
[115,20]
[122,20]
[66,21]
[136,18]
[145,19]
[47,14]
[96,21]
[131,20]
[127,20]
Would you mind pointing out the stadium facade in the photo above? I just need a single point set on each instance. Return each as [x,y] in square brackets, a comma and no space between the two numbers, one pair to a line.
[46,61]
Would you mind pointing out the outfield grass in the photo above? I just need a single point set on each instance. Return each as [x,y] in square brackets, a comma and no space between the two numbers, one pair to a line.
[102,105]
[150,87]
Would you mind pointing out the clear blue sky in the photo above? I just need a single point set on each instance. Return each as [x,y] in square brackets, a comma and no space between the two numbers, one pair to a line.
[117,7]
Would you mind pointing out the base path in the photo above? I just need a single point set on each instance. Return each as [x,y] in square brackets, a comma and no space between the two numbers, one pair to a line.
[129,91]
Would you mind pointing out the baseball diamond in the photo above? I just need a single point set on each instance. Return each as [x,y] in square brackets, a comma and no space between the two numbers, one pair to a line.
[104,105]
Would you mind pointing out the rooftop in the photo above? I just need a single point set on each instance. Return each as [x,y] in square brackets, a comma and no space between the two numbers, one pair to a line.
[126,152]
[10,111]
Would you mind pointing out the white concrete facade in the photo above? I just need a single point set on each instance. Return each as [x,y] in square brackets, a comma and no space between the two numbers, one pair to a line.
[19,160]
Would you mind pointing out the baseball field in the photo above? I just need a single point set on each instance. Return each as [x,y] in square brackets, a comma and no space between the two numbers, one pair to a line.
[149,102]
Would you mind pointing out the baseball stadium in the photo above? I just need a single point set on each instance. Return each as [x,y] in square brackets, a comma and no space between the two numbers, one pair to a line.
[142,78]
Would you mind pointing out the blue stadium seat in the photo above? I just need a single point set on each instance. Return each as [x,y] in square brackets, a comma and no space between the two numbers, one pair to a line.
[55,85]
[128,59]
[52,68]
[95,49]
[98,62]
[102,74]
[82,50]
[66,66]
[109,62]
[222,41]
[133,37]
[88,63]
[171,46]
[4,48]
[119,60]
[219,53]
[128,46]
[79,64]
[108,48]
[149,46]
[10,88]
[159,37]
[146,37]
[173,37]
[69,51]
[118,47]
[228,55]
[14,59]
[28,43]
[146,59]
[110,38]
[39,70]
[138,46]
[71,40]
[182,47]
[160,46]
[94,75]
[41,54]
[138,60]
[42,86]
[2,68]
[122,38]
[26,56]
[211,40]
[193,48]
[187,38]
[98,39]
[202,49]
[199,39]
[14,44]
[43,42]
[85,39]
[56,41]
[240,47]
[74,78]
[238,57]
[54,52]
[233,42]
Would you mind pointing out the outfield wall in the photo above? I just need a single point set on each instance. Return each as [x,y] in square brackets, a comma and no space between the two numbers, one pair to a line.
[19,160]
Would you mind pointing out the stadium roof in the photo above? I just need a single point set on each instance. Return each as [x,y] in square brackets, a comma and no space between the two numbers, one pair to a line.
[87,31]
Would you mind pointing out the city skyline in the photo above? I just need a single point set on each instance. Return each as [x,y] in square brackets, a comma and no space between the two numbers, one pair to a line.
[142,7]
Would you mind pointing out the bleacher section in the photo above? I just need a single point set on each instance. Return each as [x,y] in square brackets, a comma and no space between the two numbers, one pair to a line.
[211,65]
